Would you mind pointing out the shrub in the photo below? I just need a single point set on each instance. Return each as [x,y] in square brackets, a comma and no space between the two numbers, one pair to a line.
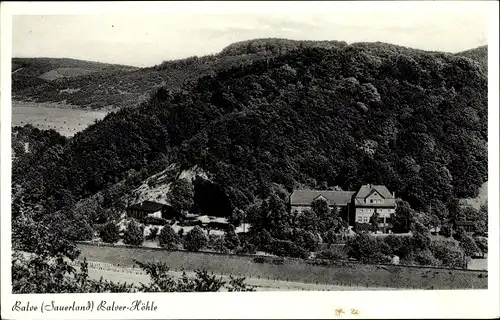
[231,240]
[190,223]
[261,239]
[287,248]
[110,233]
[259,260]
[80,231]
[362,227]
[368,249]
[333,253]
[195,239]
[448,252]
[246,248]
[306,239]
[155,221]
[153,232]
[180,233]
[134,234]
[168,238]
[482,244]
[422,258]
[217,243]
[421,239]
[469,246]
[399,245]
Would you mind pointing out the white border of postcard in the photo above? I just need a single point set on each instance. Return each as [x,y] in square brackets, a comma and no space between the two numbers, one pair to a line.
[385,304]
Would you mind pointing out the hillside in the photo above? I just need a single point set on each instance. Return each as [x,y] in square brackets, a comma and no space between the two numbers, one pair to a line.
[415,121]
[479,54]
[97,86]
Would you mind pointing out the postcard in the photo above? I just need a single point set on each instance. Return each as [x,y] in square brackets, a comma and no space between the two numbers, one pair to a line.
[182,160]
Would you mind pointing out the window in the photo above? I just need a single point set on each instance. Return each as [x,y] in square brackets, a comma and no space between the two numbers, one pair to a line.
[371,200]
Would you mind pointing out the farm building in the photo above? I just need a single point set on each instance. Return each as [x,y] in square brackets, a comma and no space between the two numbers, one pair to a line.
[354,206]
[152,209]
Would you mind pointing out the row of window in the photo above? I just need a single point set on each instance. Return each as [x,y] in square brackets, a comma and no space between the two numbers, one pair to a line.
[375,200]
[367,220]
[363,219]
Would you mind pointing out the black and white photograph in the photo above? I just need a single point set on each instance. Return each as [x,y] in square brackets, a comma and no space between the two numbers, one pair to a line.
[342,150]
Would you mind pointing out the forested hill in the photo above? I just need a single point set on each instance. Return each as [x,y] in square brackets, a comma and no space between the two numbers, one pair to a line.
[92,85]
[85,84]
[479,54]
[415,121]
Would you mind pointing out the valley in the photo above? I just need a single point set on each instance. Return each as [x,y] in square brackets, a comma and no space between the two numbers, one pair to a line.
[56,116]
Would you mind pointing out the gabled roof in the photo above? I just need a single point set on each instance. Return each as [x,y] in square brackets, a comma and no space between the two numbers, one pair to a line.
[148,206]
[307,196]
[367,189]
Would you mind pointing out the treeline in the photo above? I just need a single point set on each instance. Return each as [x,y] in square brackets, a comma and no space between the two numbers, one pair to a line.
[48,268]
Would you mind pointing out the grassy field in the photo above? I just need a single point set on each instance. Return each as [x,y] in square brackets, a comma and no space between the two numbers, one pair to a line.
[294,270]
[58,117]
[135,276]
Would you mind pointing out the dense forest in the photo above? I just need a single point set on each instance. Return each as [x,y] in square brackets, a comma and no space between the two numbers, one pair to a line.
[415,121]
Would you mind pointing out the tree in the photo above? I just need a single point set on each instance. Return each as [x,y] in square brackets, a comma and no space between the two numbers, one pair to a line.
[231,240]
[374,221]
[110,233]
[420,236]
[153,232]
[134,234]
[364,248]
[448,252]
[217,243]
[168,238]
[482,244]
[469,246]
[400,219]
[180,233]
[181,195]
[195,239]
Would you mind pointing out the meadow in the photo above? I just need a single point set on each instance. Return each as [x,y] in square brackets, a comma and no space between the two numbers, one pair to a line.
[345,274]
[57,116]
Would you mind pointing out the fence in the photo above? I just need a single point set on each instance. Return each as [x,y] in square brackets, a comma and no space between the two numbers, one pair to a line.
[99,244]
[271,282]
[344,274]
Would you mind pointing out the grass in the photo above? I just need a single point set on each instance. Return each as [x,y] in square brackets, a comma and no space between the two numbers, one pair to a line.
[59,117]
[294,270]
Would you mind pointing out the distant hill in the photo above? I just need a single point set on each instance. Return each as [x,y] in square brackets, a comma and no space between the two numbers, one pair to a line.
[479,54]
[40,67]
[412,120]
[96,86]
[276,46]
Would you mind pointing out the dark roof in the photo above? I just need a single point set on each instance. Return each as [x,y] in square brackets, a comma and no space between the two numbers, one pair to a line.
[367,189]
[306,197]
[148,206]
[464,223]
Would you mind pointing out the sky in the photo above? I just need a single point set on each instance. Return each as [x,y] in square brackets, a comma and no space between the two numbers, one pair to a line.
[146,39]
